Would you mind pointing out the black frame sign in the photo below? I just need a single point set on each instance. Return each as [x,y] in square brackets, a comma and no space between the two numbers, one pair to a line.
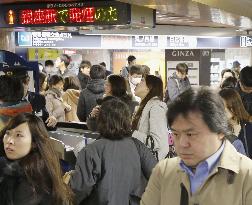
[64,14]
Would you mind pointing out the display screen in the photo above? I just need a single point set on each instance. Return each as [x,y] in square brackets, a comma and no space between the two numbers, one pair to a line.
[69,15]
[66,14]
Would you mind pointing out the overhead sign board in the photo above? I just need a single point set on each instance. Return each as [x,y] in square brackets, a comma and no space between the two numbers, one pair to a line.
[65,14]
[97,13]
[144,41]
[56,39]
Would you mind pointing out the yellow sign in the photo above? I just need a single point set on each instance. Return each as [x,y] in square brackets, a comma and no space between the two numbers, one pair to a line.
[42,54]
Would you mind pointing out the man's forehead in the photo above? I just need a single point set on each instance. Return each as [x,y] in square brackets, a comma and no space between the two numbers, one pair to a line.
[187,121]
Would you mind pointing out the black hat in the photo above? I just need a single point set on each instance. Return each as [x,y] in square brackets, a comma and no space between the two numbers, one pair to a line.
[16,71]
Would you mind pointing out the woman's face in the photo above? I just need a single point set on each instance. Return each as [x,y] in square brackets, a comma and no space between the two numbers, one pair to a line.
[17,142]
[141,89]
[107,88]
[59,86]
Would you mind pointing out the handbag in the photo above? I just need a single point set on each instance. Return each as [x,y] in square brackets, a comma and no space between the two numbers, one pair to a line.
[151,144]
[172,152]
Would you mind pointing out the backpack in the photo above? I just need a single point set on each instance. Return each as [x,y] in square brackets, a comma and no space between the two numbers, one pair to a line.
[167,97]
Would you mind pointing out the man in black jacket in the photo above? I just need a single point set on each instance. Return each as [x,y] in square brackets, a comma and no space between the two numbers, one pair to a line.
[244,87]
[84,73]
[93,91]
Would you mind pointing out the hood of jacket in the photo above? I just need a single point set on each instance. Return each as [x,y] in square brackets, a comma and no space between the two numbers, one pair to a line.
[96,86]
[72,94]
[55,92]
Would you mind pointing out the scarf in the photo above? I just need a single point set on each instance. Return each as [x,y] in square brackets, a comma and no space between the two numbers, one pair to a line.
[10,174]
[57,92]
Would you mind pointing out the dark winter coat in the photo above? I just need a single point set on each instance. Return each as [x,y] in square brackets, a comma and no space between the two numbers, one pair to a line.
[14,188]
[91,121]
[246,99]
[112,172]
[83,80]
[88,97]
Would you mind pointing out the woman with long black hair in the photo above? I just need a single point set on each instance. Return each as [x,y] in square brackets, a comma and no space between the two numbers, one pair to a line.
[30,172]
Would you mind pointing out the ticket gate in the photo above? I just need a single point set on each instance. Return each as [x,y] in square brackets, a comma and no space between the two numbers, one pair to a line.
[70,138]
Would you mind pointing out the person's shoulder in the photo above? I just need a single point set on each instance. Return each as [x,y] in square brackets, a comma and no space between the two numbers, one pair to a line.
[245,162]
[168,166]
[155,102]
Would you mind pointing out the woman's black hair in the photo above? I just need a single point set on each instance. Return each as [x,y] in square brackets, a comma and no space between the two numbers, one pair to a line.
[53,80]
[155,85]
[41,165]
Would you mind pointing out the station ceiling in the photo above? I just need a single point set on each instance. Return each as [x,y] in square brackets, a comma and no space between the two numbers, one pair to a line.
[230,14]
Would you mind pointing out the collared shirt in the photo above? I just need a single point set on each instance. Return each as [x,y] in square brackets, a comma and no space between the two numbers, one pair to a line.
[203,169]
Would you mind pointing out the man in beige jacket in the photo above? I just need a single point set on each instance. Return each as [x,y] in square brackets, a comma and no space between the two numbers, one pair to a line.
[208,169]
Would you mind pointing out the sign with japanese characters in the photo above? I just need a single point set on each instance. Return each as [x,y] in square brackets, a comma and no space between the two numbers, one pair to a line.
[65,14]
[56,39]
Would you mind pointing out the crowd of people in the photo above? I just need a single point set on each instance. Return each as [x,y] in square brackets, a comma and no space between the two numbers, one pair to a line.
[134,114]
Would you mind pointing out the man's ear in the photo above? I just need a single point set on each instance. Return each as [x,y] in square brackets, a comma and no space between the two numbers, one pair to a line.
[221,136]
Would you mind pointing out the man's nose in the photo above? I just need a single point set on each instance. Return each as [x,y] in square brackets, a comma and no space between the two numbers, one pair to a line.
[183,141]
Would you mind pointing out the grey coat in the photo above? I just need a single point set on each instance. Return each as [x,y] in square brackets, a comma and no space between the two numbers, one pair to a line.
[153,122]
[177,86]
[88,97]
[110,172]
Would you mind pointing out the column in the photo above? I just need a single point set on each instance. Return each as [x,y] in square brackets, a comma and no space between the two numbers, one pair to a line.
[7,40]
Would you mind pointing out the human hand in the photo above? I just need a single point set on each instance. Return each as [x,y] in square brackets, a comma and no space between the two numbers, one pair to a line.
[67,106]
[95,111]
[51,121]
[67,176]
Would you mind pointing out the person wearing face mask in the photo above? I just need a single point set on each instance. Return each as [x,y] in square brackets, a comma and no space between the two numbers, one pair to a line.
[135,76]
[177,83]
[54,103]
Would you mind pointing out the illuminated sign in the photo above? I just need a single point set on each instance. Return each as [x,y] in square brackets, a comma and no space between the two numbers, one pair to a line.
[66,14]
[182,41]
[245,41]
[69,15]
[145,41]
[46,39]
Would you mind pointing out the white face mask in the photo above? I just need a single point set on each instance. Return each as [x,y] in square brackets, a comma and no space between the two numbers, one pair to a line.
[135,81]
